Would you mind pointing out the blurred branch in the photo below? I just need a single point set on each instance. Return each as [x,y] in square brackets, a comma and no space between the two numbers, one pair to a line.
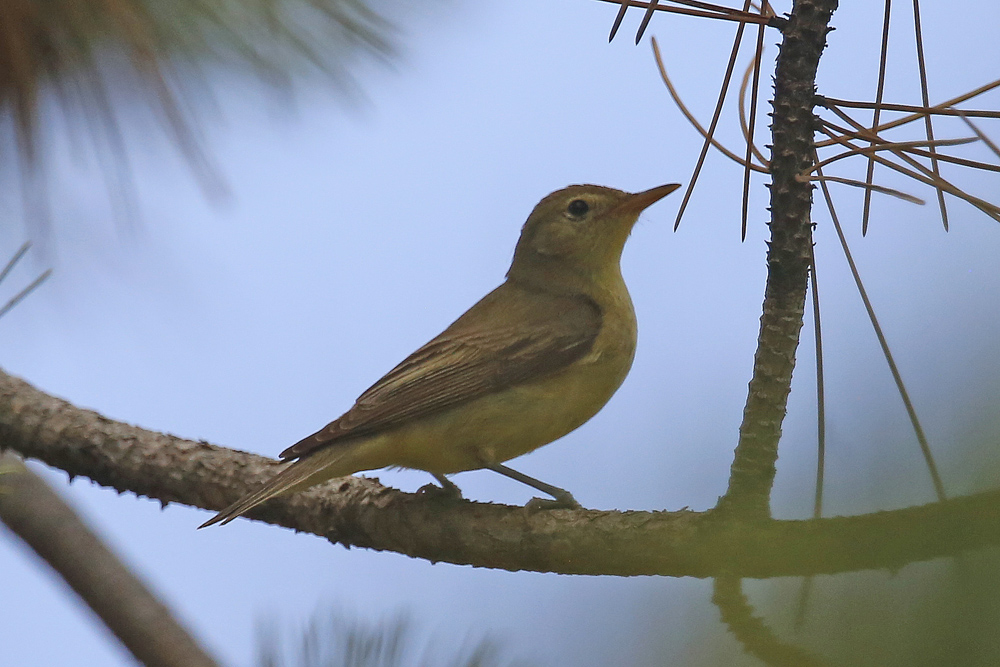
[757,639]
[73,50]
[360,512]
[47,42]
[50,527]
[331,639]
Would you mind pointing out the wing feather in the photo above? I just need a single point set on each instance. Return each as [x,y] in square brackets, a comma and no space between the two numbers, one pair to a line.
[505,339]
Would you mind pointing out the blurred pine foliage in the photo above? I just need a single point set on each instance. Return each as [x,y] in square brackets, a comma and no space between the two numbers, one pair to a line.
[68,44]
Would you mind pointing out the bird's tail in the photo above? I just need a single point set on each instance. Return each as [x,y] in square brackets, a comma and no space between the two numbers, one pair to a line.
[302,474]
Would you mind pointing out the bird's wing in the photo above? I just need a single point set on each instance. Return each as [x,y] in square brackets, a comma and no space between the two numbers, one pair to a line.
[505,339]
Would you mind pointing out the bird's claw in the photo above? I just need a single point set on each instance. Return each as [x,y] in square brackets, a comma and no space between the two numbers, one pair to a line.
[445,493]
[567,502]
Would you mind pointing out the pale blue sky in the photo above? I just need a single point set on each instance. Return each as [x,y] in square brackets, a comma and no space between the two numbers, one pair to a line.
[357,230]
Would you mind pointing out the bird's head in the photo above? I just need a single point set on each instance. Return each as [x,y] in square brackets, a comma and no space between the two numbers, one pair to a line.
[578,233]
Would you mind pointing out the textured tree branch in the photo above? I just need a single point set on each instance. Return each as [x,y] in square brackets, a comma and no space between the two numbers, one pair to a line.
[37,515]
[788,259]
[361,512]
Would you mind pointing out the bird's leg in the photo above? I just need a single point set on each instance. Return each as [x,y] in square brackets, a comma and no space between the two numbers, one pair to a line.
[448,488]
[563,498]
[448,485]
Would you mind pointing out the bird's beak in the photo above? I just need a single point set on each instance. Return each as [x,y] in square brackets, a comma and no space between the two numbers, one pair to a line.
[638,202]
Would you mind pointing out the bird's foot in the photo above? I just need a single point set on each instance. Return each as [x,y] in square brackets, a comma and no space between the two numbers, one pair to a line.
[448,489]
[560,502]
[561,498]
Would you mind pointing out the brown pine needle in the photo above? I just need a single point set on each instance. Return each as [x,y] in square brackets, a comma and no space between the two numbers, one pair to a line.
[749,18]
[758,54]
[719,9]
[918,112]
[975,92]
[986,207]
[806,590]
[953,159]
[864,134]
[909,146]
[944,108]
[743,114]
[879,90]
[618,21]
[699,9]
[715,119]
[925,100]
[645,20]
[690,117]
[11,263]
[923,174]
[820,389]
[899,194]
[929,177]
[910,411]
[982,137]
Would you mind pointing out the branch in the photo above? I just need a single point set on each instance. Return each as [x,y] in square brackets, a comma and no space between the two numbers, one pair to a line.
[757,639]
[789,250]
[37,515]
[355,511]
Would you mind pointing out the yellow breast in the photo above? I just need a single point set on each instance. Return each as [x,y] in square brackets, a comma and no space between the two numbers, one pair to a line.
[505,425]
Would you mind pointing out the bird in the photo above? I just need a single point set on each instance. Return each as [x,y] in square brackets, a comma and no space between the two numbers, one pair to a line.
[531,361]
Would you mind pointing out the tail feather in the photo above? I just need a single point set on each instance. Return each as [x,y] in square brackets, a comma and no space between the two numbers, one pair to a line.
[294,476]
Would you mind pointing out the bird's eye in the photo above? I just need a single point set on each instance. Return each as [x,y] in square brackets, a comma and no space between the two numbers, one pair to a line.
[578,208]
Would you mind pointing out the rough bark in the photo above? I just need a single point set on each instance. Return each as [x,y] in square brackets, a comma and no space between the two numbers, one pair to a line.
[360,512]
[788,260]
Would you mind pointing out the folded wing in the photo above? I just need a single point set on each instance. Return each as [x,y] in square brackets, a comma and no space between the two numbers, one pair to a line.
[500,342]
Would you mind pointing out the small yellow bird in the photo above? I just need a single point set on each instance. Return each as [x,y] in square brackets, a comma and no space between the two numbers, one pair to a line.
[533,360]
